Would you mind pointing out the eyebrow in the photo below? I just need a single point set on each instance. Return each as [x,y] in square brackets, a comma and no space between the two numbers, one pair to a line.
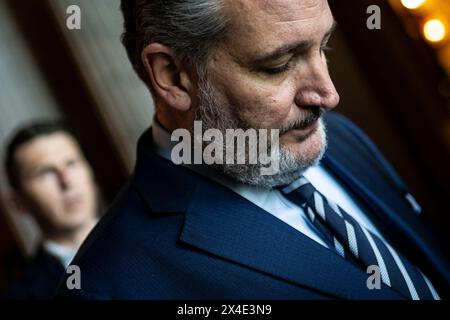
[291,47]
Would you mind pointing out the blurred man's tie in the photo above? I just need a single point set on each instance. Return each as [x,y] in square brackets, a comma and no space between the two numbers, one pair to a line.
[353,241]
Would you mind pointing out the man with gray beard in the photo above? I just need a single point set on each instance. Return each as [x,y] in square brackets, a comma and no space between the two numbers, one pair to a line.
[333,222]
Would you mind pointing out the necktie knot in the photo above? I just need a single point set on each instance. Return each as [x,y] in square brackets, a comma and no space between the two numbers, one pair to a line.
[303,189]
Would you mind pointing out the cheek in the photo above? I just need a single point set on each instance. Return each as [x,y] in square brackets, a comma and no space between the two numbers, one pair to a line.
[85,186]
[44,196]
[89,192]
[262,106]
[279,109]
[85,180]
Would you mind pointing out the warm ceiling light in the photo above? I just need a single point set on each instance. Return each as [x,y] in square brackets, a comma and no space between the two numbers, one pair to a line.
[412,4]
[434,30]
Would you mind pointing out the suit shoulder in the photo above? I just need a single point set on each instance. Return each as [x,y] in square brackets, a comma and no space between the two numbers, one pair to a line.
[39,279]
[345,136]
[120,247]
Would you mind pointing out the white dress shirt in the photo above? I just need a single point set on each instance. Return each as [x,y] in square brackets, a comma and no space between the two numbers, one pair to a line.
[63,253]
[271,200]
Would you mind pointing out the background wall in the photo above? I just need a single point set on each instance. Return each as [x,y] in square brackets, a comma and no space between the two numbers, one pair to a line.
[24,96]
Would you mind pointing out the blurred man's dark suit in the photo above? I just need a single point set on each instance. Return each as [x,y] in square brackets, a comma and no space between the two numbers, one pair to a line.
[175,234]
[39,279]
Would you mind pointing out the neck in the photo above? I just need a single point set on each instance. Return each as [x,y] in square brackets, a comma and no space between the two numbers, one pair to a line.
[75,238]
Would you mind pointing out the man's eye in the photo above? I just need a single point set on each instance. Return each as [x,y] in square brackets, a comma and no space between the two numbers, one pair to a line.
[71,163]
[43,172]
[276,70]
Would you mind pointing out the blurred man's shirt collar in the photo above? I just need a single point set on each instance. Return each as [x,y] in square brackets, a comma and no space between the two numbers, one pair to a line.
[63,253]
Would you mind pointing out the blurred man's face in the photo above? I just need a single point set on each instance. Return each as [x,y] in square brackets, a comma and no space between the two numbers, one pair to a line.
[56,183]
[271,72]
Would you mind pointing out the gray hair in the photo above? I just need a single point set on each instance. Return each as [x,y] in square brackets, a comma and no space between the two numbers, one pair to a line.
[190,27]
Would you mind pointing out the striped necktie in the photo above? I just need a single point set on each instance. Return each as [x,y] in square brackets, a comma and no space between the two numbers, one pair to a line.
[353,241]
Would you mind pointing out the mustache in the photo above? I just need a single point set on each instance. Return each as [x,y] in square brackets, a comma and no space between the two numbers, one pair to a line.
[313,114]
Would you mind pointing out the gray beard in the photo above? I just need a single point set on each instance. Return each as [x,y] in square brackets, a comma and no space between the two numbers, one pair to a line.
[291,166]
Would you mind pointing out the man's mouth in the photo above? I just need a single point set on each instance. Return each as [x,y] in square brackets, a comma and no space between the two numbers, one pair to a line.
[307,124]
[304,132]
[72,202]
[310,126]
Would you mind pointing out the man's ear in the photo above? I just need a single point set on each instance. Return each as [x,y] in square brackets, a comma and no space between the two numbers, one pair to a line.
[170,78]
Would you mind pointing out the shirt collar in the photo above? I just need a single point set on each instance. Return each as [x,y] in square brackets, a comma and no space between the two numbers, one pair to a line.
[63,253]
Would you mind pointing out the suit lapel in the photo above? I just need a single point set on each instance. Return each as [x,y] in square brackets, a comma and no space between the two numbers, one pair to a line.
[227,225]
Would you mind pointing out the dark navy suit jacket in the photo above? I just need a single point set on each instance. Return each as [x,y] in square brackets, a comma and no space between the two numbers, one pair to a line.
[39,280]
[173,234]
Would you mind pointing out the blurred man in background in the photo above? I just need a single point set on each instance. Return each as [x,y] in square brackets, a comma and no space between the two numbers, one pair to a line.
[52,181]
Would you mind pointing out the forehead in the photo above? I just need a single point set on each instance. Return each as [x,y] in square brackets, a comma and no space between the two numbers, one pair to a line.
[262,25]
[47,149]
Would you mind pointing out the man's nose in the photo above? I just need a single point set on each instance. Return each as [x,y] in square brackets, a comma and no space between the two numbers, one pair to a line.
[316,87]
[64,179]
